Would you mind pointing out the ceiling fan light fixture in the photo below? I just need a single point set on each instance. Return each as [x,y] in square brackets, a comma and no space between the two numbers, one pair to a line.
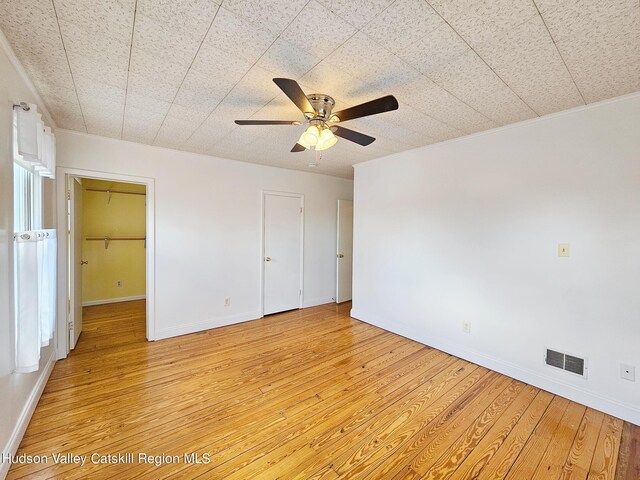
[310,136]
[327,139]
[303,142]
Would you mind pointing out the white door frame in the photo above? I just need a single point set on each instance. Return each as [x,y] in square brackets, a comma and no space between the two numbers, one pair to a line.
[262,252]
[62,173]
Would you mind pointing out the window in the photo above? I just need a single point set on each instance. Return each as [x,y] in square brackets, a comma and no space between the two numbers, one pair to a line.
[27,192]
[34,248]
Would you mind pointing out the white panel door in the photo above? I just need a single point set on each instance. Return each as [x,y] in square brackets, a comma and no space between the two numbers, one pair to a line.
[282,252]
[344,256]
[75,268]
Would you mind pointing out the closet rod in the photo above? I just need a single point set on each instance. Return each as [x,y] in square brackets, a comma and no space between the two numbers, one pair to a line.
[109,190]
[107,239]
[116,238]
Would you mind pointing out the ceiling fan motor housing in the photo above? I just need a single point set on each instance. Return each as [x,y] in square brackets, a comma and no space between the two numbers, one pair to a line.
[322,104]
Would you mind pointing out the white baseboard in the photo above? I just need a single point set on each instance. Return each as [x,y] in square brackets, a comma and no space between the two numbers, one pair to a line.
[25,416]
[317,301]
[611,406]
[113,300]
[205,325]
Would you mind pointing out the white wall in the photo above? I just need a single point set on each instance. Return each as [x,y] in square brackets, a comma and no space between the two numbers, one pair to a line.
[468,230]
[208,214]
[19,393]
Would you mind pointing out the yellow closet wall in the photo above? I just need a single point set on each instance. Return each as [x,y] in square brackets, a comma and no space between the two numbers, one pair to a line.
[124,215]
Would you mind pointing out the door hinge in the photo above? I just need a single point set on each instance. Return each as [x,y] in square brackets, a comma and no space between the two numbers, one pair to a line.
[300,209]
[68,195]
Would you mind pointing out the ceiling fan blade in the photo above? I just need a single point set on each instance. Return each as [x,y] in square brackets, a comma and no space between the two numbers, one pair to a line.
[298,148]
[295,93]
[353,136]
[379,105]
[268,122]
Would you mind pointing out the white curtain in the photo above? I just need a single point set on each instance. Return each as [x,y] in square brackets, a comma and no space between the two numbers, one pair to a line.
[35,290]
[34,143]
[47,259]
[29,125]
[48,167]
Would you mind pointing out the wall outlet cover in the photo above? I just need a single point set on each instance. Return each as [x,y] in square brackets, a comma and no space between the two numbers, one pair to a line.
[628,372]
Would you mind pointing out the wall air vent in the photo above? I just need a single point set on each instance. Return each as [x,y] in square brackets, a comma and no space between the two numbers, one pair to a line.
[566,362]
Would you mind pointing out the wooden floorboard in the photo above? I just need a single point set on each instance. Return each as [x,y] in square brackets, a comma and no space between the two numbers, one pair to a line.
[628,467]
[306,394]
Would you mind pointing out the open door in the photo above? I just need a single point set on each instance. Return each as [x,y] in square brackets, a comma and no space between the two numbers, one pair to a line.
[282,288]
[344,255]
[75,263]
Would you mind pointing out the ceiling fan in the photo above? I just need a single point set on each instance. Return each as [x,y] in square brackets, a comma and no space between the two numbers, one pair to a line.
[322,130]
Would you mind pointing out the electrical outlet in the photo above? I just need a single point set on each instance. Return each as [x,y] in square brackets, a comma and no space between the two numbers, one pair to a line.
[628,372]
[227,301]
[118,283]
[466,327]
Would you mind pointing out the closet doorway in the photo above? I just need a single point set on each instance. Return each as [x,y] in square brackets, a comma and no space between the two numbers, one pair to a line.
[107,247]
[108,257]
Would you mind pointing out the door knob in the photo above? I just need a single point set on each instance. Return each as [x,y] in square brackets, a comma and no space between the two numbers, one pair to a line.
[84,262]
[340,255]
[267,259]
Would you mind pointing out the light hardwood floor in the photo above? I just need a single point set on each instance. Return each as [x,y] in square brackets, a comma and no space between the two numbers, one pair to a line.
[307,394]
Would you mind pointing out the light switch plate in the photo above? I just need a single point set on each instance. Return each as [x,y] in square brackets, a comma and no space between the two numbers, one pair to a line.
[563,249]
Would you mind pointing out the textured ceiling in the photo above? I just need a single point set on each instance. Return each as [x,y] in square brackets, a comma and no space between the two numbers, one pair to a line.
[177,73]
